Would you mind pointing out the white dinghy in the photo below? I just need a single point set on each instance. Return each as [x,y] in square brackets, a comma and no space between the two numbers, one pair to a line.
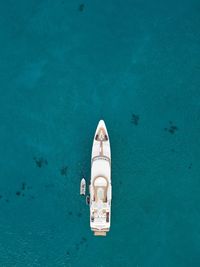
[83,187]
[100,183]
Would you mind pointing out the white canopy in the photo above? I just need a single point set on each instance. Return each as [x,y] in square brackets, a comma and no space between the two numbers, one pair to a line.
[100,181]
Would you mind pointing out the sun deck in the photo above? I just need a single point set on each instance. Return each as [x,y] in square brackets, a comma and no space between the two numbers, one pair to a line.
[100,185]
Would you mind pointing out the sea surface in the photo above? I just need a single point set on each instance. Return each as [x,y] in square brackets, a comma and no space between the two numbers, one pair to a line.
[66,64]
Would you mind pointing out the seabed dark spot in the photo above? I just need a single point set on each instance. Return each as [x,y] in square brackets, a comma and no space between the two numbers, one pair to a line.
[135,119]
[172,128]
[84,239]
[63,170]
[40,162]
[23,186]
[0,196]
[68,253]
[190,166]
[81,7]
[79,214]
[49,185]
[18,193]
[70,213]
[7,200]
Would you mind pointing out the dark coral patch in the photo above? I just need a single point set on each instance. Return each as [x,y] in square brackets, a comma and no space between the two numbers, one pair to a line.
[49,185]
[68,253]
[172,128]
[135,119]
[18,193]
[81,7]
[79,214]
[190,166]
[23,186]
[63,171]
[84,239]
[40,162]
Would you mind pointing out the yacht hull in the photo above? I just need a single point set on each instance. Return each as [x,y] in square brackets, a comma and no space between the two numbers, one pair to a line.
[100,183]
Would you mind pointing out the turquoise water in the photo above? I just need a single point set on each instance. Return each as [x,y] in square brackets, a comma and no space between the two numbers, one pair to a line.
[64,65]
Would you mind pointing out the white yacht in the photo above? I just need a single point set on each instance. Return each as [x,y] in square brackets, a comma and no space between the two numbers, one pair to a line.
[100,183]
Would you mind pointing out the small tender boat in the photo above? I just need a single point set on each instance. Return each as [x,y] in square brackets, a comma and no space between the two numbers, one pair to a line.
[82,186]
[87,200]
[100,183]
